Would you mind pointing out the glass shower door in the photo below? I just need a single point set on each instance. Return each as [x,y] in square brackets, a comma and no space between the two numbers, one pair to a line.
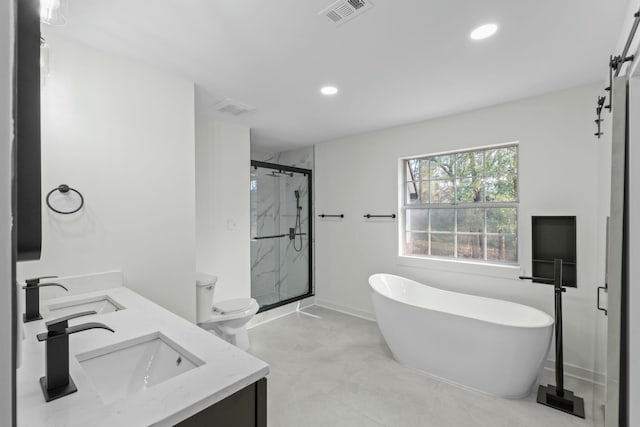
[280,234]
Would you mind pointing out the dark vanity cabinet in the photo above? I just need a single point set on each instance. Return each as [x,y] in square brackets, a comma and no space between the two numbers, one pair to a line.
[245,408]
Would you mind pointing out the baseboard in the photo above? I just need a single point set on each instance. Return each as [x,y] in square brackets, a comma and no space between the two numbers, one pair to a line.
[346,310]
[597,378]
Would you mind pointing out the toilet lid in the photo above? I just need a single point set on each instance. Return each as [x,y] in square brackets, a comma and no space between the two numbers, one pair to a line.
[232,305]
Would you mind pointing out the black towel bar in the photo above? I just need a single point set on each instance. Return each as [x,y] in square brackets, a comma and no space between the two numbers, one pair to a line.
[379,216]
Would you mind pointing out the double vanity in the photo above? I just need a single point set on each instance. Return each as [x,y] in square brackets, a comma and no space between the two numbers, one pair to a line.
[155,368]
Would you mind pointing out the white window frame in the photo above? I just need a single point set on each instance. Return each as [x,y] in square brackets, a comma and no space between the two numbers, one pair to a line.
[420,260]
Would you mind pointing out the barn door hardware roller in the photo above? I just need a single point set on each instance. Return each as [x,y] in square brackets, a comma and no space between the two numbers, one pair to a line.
[599,119]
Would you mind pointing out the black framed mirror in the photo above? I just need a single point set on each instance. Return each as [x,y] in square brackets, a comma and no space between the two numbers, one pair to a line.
[27,185]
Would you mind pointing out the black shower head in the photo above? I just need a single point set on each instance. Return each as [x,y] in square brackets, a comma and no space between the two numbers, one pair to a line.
[297,193]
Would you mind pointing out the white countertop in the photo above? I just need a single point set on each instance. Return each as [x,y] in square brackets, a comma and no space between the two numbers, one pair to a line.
[226,370]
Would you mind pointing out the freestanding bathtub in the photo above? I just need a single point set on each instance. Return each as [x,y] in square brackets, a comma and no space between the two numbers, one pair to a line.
[487,344]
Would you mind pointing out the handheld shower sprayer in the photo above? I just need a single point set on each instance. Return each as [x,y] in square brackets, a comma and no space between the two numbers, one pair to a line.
[298,207]
[297,230]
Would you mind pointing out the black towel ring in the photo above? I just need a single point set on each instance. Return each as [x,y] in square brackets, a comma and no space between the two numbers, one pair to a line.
[63,188]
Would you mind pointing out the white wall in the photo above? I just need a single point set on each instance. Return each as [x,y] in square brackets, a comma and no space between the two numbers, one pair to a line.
[558,176]
[222,208]
[122,134]
[6,142]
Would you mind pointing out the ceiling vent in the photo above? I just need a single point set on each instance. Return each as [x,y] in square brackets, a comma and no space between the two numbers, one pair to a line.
[345,10]
[231,106]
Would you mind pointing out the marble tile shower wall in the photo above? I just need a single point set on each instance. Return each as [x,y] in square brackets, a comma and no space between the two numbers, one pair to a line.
[278,270]
[265,254]
[300,158]
[294,260]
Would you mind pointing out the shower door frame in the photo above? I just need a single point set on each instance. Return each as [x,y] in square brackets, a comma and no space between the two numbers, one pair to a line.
[309,175]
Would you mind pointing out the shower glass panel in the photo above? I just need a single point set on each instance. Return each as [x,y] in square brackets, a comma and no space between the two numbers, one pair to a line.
[280,234]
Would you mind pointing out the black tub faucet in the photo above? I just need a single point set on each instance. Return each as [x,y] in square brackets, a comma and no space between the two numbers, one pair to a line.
[32,297]
[57,382]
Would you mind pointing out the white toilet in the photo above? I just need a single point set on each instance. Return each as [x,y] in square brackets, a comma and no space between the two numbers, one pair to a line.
[227,319]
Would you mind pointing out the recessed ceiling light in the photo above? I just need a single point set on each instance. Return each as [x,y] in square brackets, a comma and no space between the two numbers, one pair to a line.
[484,31]
[329,90]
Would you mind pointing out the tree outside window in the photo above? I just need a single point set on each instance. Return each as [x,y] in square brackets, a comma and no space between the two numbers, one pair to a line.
[463,205]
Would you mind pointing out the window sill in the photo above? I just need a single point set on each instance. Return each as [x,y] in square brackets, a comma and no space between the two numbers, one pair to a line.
[461,267]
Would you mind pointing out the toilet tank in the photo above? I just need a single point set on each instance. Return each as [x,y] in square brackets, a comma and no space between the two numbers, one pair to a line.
[205,287]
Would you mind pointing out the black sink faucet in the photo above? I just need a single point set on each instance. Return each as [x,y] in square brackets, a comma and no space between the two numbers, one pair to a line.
[32,297]
[57,383]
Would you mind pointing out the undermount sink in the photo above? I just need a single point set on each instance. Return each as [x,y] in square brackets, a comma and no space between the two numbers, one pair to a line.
[129,367]
[100,304]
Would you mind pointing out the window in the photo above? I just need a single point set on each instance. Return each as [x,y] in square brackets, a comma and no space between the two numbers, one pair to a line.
[462,205]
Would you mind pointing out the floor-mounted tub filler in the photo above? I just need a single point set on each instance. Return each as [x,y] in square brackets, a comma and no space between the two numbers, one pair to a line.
[491,345]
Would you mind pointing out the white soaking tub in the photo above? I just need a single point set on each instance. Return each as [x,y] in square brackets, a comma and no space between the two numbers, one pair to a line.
[487,344]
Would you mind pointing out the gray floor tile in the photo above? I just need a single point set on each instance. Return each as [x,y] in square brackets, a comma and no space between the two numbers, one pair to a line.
[336,370]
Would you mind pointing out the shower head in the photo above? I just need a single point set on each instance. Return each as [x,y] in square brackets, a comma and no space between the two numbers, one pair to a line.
[297,193]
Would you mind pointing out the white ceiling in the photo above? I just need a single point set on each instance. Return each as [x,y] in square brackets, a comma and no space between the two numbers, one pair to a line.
[401,62]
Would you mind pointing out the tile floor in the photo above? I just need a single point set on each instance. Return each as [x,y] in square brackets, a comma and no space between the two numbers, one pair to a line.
[335,370]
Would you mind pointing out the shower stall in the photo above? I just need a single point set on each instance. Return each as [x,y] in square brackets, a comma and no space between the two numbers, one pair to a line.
[281,234]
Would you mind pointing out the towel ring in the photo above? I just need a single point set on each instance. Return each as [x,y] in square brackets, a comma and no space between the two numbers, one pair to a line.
[63,188]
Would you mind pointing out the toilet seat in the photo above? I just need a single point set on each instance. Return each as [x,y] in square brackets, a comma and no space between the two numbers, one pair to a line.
[232,306]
